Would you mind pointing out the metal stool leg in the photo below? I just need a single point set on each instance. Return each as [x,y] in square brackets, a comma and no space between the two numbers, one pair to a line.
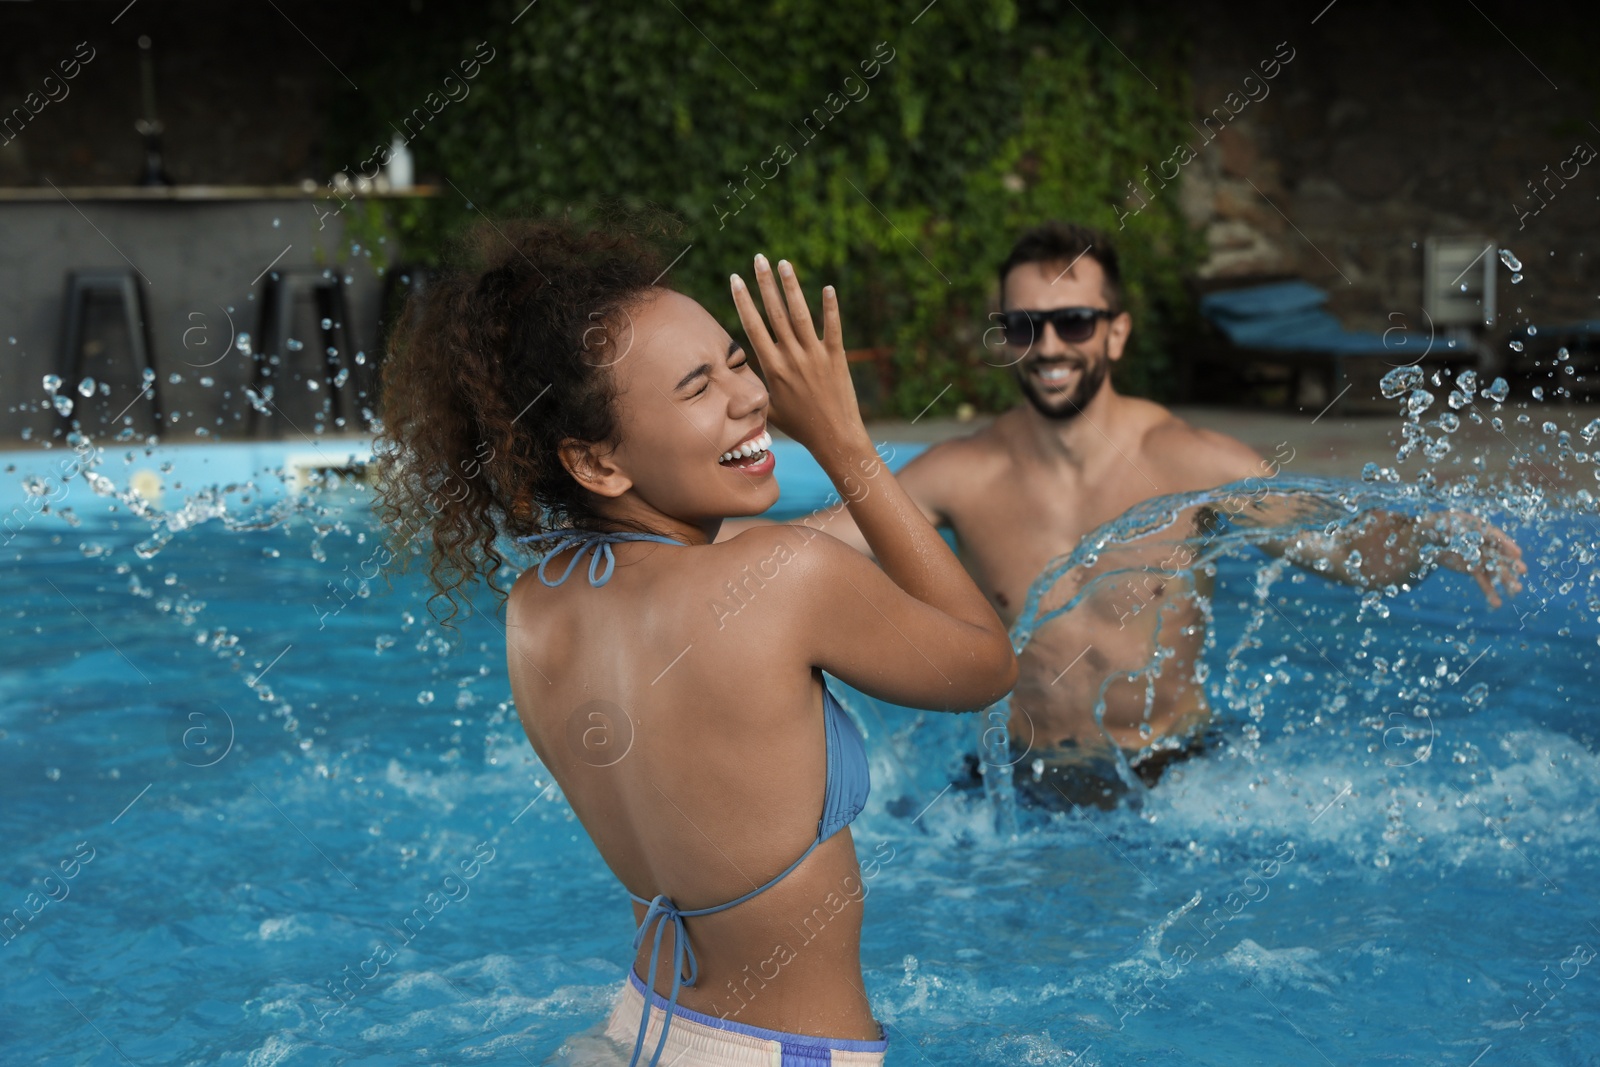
[133,311]
[279,302]
[270,334]
[335,337]
[81,287]
[404,286]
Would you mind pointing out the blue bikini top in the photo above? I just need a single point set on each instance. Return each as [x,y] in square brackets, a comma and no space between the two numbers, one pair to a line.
[844,792]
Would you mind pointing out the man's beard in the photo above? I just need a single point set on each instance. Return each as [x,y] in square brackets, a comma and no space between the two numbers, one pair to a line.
[1063,407]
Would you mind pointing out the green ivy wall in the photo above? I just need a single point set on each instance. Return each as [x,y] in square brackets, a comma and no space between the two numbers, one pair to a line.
[895,159]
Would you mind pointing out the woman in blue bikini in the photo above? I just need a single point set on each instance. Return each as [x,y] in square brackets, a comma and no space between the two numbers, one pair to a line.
[568,399]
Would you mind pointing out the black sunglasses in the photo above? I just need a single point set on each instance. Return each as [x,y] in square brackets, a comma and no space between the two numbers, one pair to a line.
[1072,324]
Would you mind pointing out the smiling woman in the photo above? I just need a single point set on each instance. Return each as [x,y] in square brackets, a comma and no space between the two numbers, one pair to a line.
[493,352]
[626,424]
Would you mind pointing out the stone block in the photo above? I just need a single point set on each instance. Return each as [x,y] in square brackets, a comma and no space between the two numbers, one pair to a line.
[1238,151]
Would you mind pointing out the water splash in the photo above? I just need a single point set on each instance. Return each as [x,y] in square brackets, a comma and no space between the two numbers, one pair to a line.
[1140,590]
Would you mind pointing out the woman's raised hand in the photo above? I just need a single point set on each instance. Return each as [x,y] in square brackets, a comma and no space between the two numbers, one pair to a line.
[808,381]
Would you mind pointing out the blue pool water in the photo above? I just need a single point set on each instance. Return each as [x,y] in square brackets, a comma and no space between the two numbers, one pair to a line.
[253,779]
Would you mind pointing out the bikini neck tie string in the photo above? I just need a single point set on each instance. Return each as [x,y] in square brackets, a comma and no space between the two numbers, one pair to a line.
[602,560]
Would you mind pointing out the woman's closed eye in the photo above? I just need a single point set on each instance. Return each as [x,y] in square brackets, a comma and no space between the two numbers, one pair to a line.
[744,361]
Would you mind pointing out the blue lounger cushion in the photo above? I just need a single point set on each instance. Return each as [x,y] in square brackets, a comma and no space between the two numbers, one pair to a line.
[1289,317]
[1256,301]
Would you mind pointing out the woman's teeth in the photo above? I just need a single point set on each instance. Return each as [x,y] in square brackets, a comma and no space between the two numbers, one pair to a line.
[754,447]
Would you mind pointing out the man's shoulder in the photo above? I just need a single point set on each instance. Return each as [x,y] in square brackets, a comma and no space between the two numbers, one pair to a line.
[1205,457]
[984,445]
[941,475]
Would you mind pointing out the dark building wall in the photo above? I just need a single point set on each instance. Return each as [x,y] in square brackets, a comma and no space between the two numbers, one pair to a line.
[241,90]
[1391,124]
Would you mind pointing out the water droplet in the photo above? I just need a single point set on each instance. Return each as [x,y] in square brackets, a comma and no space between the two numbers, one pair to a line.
[425,697]
[1418,402]
[52,382]
[1510,259]
[86,387]
[1538,392]
[1516,279]
[1400,380]
[1517,346]
[293,345]
[327,324]
[1497,391]
[1449,422]
[63,404]
[342,377]
[53,773]
[276,223]
[1591,431]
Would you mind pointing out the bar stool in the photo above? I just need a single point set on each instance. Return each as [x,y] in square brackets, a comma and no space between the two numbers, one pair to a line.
[403,288]
[122,283]
[401,283]
[278,301]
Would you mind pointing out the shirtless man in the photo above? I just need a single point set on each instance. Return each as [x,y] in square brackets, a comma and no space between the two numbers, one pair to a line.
[1026,488]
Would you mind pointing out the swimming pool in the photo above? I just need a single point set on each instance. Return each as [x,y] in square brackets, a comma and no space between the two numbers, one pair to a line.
[228,775]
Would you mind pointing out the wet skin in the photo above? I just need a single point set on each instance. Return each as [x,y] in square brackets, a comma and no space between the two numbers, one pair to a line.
[690,744]
[1026,488]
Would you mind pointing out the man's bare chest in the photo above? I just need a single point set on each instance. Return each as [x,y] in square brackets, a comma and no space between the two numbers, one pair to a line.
[1010,528]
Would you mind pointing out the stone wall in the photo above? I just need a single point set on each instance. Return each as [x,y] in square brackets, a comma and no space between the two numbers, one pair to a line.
[1393,123]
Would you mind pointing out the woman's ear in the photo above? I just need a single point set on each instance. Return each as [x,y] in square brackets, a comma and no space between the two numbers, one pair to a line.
[593,469]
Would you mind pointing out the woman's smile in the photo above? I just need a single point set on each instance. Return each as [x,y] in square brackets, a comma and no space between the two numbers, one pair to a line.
[752,456]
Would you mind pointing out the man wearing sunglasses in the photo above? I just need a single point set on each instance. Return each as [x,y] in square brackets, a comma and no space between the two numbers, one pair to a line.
[1025,489]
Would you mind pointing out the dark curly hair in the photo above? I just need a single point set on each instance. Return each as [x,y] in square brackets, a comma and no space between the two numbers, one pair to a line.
[1066,242]
[498,359]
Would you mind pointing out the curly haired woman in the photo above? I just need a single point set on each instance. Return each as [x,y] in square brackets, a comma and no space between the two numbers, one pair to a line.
[699,747]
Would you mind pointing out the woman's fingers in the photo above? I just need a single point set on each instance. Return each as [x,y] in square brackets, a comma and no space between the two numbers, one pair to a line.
[799,313]
[754,327]
[772,299]
[832,329]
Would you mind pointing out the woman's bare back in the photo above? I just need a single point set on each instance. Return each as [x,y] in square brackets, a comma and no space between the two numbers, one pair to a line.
[690,745]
